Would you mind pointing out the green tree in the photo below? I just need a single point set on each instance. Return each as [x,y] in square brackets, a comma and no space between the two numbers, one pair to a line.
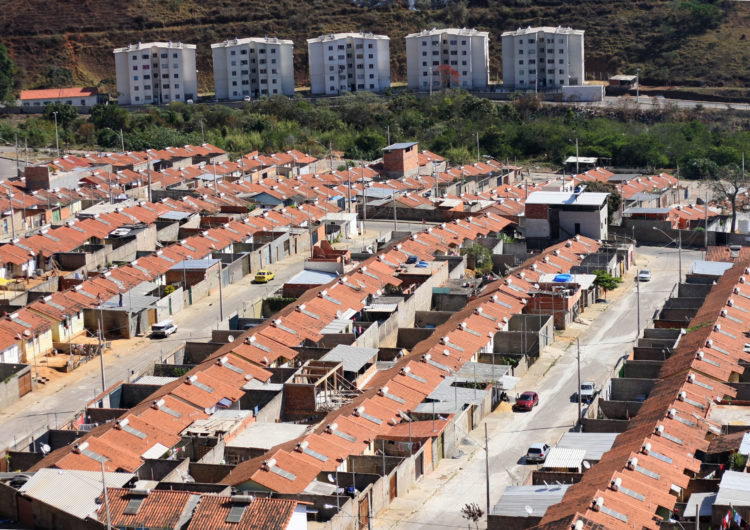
[109,116]
[606,281]
[7,75]
[66,114]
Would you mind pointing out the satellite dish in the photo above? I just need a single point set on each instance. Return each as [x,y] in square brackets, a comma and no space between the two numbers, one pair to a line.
[330,478]
[586,464]
[529,509]
[45,449]
[230,338]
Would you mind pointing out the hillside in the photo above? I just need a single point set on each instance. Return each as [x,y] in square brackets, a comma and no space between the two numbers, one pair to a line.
[688,42]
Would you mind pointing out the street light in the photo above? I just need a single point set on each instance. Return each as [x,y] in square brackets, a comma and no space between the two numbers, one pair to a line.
[57,139]
[679,245]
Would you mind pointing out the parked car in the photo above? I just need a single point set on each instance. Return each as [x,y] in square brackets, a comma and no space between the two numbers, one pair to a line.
[263,276]
[644,275]
[537,453]
[247,98]
[587,391]
[163,329]
[526,401]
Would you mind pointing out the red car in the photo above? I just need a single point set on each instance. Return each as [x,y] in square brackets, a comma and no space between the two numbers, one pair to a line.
[526,401]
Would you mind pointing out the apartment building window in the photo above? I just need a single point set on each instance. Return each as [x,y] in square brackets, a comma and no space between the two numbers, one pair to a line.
[177,86]
[234,63]
[154,54]
[464,73]
[560,51]
[245,82]
[144,57]
[262,50]
[463,63]
[360,67]
[531,41]
[136,88]
[550,41]
[551,71]
[341,47]
[330,68]
[435,52]
[146,66]
[175,66]
[520,41]
[348,45]
[273,70]
[332,89]
[273,81]
[146,76]
[273,61]
[520,61]
[454,63]
[137,98]
[372,76]
[370,56]
[262,71]
[243,62]
[165,87]
[348,55]
[165,76]
[424,54]
[232,52]
[520,52]
[520,81]
[341,57]
[176,76]
[551,50]
[243,52]
[424,63]
[234,93]
[262,61]
[361,86]
[330,58]
[264,81]
[424,43]
[273,50]
[562,72]
[252,70]
[135,78]
[424,74]
[244,72]
[146,87]
[454,42]
[560,40]
[463,52]
[135,67]
[234,83]
[372,86]
[369,46]
[520,72]
[135,57]
[252,61]
[562,61]
[435,63]
[550,61]
[359,46]
[532,72]
[562,82]
[532,61]
[163,55]
[174,55]
[330,48]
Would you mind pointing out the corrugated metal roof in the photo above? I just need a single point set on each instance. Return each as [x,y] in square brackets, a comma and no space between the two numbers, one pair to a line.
[570,199]
[594,443]
[516,498]
[401,145]
[310,277]
[154,380]
[564,457]
[704,500]
[261,435]
[745,444]
[734,489]
[74,492]
[194,264]
[354,358]
[711,268]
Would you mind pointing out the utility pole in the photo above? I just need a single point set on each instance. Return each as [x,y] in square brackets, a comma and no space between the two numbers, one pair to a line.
[216,190]
[12,215]
[221,294]
[679,251]
[109,185]
[349,190]
[478,159]
[203,136]
[487,467]
[577,172]
[57,139]
[638,308]
[395,220]
[17,154]
[122,141]
[101,343]
[106,499]
[148,172]
[388,131]
[578,344]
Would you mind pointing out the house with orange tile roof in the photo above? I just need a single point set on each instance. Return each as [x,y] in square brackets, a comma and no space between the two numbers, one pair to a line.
[35,100]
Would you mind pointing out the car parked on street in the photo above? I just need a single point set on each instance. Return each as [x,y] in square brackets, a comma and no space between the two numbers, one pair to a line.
[644,275]
[537,453]
[587,392]
[526,401]
[163,329]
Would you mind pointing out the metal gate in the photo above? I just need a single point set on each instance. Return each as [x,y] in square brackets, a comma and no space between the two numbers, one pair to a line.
[393,486]
[24,384]
[364,512]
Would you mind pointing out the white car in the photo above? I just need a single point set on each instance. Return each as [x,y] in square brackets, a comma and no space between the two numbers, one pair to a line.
[644,275]
[163,329]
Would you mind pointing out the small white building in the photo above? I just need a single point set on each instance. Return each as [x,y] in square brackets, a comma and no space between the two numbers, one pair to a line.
[542,58]
[448,58]
[253,67]
[349,62]
[75,96]
[558,215]
[156,73]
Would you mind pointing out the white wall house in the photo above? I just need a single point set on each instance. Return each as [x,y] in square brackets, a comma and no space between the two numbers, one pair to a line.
[465,51]
[75,96]
[254,67]
[559,215]
[156,73]
[348,62]
[542,58]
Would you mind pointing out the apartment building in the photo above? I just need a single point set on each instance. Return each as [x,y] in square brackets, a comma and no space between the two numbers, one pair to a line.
[448,58]
[253,67]
[155,73]
[348,62]
[542,58]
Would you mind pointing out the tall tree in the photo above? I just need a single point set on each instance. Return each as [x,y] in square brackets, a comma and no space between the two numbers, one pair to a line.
[7,75]
[729,182]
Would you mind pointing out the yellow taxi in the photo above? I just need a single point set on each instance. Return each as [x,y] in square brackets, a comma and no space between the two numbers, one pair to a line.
[263,276]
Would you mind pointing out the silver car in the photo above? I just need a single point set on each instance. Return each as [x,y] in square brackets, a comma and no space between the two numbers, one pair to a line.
[537,453]
[644,275]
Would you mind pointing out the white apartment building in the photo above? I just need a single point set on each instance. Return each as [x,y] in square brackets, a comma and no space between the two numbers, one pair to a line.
[448,58]
[253,67]
[348,62]
[155,73]
[542,58]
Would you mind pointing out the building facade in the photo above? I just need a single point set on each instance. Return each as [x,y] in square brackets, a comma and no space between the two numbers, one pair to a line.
[75,96]
[448,58]
[349,62]
[254,67]
[156,73]
[543,58]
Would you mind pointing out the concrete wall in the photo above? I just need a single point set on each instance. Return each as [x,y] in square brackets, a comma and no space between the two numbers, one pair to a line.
[424,318]
[625,389]
[8,506]
[167,231]
[618,410]
[12,378]
[641,369]
[410,337]
[596,425]
[169,305]
[449,302]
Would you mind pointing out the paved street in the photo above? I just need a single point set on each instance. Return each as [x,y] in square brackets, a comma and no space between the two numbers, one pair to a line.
[436,503]
[58,401]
